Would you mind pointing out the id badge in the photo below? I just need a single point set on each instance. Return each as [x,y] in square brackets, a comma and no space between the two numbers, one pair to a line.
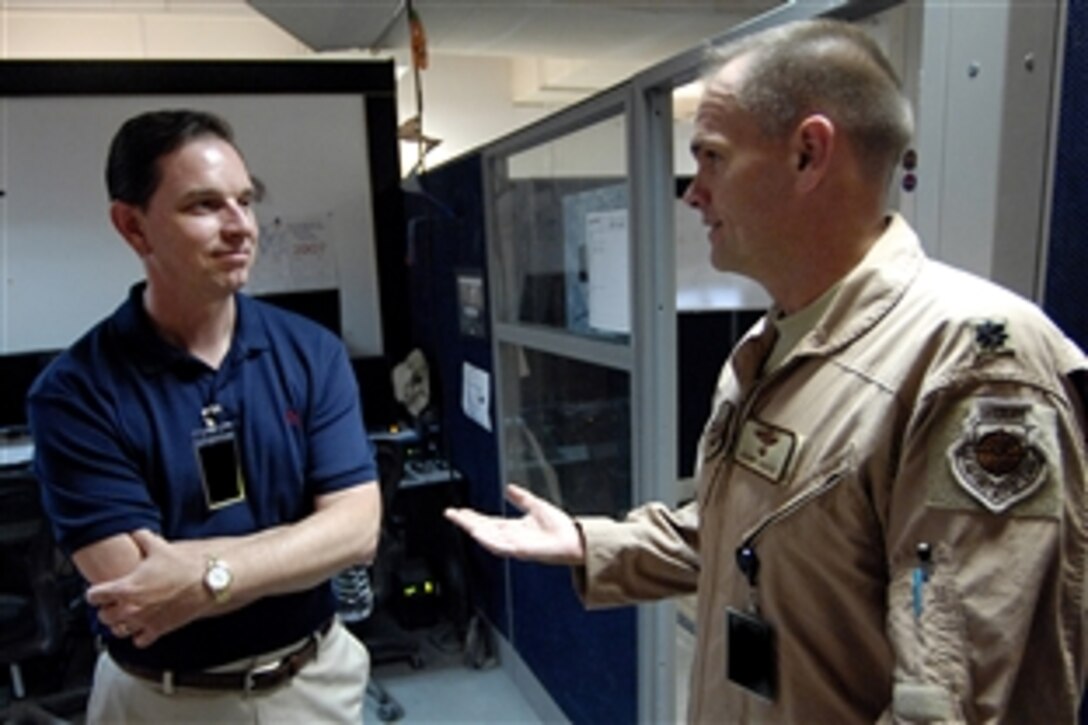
[752,659]
[216,449]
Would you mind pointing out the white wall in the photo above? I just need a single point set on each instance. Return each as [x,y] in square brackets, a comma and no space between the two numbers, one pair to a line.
[117,34]
[986,113]
[466,103]
[467,100]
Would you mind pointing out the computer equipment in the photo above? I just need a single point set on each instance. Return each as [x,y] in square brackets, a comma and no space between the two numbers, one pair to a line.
[321,306]
[17,373]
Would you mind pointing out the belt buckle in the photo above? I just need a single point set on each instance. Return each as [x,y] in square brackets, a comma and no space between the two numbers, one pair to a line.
[249,677]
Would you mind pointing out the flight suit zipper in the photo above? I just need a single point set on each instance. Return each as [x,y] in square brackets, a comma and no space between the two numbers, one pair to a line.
[746,556]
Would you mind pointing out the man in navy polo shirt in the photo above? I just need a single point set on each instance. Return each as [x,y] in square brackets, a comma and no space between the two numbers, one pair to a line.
[203,459]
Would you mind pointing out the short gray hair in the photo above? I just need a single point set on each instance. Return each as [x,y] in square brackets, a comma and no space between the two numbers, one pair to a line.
[829,67]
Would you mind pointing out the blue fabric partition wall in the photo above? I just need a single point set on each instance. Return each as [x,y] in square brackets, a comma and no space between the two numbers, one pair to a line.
[1066,299]
[1067,260]
[445,233]
[587,661]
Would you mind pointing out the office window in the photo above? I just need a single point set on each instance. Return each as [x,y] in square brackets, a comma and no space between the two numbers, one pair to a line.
[567,430]
[561,217]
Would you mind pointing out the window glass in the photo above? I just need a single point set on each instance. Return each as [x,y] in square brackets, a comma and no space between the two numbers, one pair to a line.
[568,430]
[561,221]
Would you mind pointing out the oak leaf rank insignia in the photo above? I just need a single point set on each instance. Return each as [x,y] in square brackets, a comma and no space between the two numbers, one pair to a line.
[991,337]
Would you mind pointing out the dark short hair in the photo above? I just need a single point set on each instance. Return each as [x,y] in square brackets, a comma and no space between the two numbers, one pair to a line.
[830,67]
[132,168]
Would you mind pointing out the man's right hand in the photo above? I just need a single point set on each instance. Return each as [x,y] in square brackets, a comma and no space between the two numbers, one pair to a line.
[545,533]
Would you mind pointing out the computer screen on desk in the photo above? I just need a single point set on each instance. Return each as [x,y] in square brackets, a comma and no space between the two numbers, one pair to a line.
[17,373]
[321,306]
[380,408]
[16,452]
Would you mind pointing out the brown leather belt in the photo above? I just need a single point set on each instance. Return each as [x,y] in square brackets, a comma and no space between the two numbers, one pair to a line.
[264,677]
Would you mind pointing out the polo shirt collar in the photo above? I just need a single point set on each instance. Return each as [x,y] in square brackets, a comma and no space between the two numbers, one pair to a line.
[250,334]
[153,354]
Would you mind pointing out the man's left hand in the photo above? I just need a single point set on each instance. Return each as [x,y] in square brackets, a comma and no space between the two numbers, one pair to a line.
[163,593]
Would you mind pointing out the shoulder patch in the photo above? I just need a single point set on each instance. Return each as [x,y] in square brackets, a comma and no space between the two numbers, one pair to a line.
[997,458]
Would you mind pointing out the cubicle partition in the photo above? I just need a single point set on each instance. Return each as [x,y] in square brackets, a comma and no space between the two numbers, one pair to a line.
[585,661]
[1065,290]
[445,251]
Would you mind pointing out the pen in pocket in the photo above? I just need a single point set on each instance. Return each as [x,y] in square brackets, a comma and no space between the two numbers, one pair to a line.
[920,577]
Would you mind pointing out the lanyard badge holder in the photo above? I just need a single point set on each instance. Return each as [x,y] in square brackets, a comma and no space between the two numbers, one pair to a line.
[216,448]
[752,657]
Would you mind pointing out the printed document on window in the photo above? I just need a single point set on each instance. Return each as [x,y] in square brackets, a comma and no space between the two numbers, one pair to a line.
[609,271]
[476,395]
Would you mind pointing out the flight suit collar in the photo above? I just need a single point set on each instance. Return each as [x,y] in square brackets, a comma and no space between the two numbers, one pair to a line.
[869,291]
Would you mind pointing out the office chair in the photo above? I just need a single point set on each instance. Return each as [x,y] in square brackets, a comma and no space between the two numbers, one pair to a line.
[365,593]
[31,613]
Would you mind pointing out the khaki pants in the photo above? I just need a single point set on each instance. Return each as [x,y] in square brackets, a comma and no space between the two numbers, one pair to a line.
[329,689]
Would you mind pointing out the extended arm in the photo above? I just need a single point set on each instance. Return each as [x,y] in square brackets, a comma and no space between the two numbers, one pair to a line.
[650,555]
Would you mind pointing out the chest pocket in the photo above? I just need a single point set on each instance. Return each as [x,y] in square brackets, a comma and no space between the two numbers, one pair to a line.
[814,486]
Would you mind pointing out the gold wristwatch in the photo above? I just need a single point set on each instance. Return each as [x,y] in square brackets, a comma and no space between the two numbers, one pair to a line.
[217,579]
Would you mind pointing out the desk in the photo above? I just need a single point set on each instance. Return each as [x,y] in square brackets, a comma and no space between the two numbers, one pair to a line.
[427,472]
[421,545]
[420,466]
[432,546]
[16,451]
[21,514]
[43,619]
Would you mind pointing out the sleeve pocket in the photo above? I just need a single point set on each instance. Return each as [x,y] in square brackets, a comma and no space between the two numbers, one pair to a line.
[928,637]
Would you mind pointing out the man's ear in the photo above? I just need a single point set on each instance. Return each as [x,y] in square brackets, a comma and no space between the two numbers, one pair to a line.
[812,147]
[128,221]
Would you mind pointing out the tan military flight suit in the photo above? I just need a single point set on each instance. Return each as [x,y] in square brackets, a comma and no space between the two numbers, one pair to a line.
[926,407]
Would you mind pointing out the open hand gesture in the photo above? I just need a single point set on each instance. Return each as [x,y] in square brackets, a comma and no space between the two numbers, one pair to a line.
[545,533]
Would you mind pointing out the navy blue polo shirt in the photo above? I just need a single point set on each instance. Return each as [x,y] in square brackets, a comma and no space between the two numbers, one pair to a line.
[113,420]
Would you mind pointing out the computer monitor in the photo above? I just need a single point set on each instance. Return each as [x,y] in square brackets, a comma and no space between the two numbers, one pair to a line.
[321,306]
[17,373]
[380,409]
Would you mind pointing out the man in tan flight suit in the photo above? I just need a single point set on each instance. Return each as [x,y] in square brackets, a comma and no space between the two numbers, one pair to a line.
[890,512]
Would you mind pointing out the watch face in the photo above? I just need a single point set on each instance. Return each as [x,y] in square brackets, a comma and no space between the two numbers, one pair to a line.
[218,577]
